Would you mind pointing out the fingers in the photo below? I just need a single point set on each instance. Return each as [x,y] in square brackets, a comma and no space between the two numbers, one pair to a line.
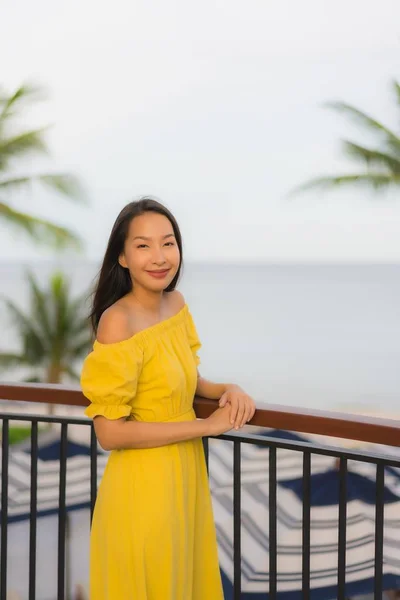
[240,417]
[223,400]
[251,409]
[245,411]
[238,411]
[241,406]
[234,409]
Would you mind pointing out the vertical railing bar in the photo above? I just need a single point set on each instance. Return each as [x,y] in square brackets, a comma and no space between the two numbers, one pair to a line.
[93,470]
[62,512]
[379,524]
[237,545]
[272,525]
[342,528]
[306,524]
[206,446]
[33,511]
[4,508]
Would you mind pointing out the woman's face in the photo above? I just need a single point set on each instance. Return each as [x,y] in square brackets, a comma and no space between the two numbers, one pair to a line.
[151,252]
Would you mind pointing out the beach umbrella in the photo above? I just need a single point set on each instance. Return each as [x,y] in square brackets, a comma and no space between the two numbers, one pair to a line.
[361,494]
[254,522]
[48,476]
[77,522]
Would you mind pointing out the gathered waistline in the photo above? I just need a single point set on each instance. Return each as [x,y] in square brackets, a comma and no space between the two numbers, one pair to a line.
[180,416]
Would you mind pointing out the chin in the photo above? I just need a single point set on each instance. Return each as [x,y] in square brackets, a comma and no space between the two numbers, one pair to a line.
[159,286]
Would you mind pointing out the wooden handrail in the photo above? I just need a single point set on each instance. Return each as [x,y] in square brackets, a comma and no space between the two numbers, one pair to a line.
[276,416]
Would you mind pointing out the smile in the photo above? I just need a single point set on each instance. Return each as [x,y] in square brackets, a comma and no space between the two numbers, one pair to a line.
[159,274]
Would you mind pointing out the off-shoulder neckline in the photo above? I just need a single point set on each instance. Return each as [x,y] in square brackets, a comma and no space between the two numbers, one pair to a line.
[160,326]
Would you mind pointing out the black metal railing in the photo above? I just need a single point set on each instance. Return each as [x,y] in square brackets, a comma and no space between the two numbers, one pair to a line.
[308,450]
[274,445]
[34,421]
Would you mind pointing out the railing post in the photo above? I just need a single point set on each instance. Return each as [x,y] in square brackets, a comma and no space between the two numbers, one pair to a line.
[4,508]
[342,528]
[379,525]
[33,512]
[306,524]
[62,512]
[237,546]
[272,525]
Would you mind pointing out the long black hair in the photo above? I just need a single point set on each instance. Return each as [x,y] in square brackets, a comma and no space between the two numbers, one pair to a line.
[114,281]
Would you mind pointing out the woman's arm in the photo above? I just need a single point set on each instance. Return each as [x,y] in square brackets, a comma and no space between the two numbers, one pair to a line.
[208,389]
[242,405]
[122,434]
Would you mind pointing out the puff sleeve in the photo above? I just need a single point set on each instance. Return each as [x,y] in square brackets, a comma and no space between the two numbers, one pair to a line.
[109,378]
[193,338]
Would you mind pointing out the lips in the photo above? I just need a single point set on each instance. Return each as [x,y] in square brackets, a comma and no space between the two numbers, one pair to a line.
[159,274]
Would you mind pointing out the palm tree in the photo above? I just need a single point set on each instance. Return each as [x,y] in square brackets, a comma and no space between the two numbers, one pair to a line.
[53,336]
[15,147]
[382,161]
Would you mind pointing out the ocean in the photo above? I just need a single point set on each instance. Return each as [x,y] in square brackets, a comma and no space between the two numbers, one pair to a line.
[318,336]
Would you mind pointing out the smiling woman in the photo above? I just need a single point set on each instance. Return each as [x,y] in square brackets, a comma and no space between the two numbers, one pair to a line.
[144,232]
[157,255]
[153,533]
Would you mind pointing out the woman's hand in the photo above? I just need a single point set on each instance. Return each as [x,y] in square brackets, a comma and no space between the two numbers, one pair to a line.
[219,422]
[241,404]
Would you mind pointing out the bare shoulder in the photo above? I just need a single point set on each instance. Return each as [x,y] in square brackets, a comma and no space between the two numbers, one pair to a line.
[114,325]
[176,300]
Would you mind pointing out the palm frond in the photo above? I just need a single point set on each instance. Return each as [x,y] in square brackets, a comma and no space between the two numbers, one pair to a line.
[64,184]
[372,157]
[67,185]
[71,373]
[35,348]
[11,104]
[82,348]
[34,345]
[396,88]
[34,379]
[15,145]
[377,181]
[51,342]
[40,230]
[78,315]
[79,324]
[371,124]
[21,321]
[16,182]
[82,302]
[11,360]
[22,145]
[59,295]
[39,307]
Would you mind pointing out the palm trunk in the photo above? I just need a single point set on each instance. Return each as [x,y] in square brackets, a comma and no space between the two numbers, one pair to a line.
[53,376]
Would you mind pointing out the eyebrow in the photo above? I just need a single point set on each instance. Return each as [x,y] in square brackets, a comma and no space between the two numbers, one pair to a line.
[143,237]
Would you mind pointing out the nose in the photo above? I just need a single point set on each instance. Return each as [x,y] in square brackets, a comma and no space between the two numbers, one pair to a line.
[158,256]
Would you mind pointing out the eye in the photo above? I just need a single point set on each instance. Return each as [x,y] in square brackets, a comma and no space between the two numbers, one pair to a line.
[170,244]
[142,246]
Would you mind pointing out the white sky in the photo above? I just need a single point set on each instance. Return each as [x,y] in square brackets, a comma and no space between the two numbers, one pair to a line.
[215,108]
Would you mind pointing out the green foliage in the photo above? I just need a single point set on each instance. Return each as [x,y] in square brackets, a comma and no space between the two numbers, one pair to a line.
[18,434]
[15,147]
[53,335]
[381,162]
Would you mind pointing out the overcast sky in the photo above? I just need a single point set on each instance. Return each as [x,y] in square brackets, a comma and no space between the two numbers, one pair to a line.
[215,107]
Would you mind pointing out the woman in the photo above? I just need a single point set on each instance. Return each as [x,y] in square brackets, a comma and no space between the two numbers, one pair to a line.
[153,534]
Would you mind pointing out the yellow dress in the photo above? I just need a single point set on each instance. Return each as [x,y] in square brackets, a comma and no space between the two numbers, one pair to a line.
[153,535]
